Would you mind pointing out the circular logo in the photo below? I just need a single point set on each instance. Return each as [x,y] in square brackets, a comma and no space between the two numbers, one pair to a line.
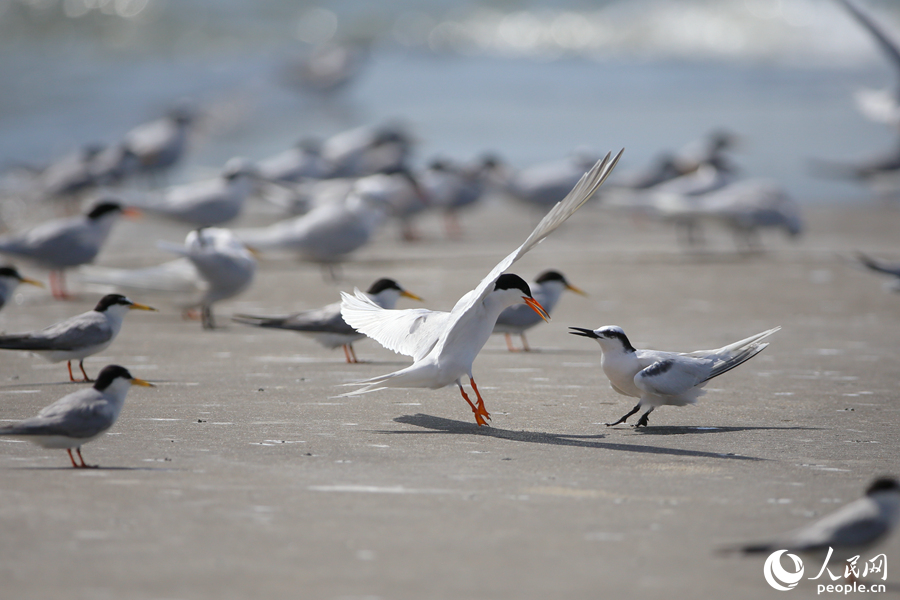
[776,575]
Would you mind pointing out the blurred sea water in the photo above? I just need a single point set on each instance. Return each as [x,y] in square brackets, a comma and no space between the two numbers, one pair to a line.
[531,81]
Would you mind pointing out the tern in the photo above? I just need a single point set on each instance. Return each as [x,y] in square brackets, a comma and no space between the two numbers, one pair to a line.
[665,378]
[65,243]
[160,144]
[214,266]
[881,266]
[444,345]
[453,187]
[10,278]
[547,289]
[846,532]
[79,417]
[300,162]
[78,337]
[545,184]
[326,325]
[209,202]
[366,150]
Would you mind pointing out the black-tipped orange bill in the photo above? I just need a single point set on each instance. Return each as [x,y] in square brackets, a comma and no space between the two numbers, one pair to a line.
[132,213]
[136,306]
[578,291]
[536,307]
[31,282]
[410,295]
[141,382]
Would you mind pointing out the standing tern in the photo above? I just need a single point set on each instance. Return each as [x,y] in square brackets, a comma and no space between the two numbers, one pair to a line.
[665,378]
[10,278]
[444,345]
[326,325]
[880,266]
[65,243]
[214,266]
[208,202]
[78,337]
[79,417]
[160,144]
[547,289]
[846,532]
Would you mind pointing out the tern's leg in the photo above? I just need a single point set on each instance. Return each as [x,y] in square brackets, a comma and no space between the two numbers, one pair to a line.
[451,225]
[71,377]
[58,285]
[206,317]
[72,458]
[525,346]
[509,344]
[478,418]
[481,409]
[631,412]
[86,378]
[83,464]
[352,353]
[642,422]
[347,353]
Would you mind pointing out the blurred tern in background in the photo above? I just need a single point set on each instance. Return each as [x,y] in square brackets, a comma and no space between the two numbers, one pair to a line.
[303,161]
[665,378]
[545,184]
[205,203]
[847,532]
[366,150]
[880,266]
[444,345]
[326,325]
[515,320]
[79,417]
[160,144]
[451,188]
[65,243]
[10,278]
[215,266]
[78,337]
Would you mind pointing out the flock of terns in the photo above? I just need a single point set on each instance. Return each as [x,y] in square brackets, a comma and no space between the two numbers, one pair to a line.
[336,194]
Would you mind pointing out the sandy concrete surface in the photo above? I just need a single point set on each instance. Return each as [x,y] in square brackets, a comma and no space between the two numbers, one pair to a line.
[244,476]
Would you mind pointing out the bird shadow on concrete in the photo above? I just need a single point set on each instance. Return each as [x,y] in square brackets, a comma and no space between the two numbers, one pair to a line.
[91,469]
[439,425]
[685,430]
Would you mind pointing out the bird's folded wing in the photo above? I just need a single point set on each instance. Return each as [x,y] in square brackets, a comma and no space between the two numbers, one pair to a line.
[565,208]
[75,333]
[412,332]
[79,421]
[672,376]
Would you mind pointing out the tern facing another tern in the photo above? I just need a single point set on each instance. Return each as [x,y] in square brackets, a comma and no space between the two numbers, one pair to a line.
[665,378]
[444,345]
[78,337]
[65,243]
[79,417]
[10,278]
[848,531]
[326,325]
[547,289]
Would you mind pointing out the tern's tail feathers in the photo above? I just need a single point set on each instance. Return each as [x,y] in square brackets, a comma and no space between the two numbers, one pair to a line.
[413,376]
[258,320]
[738,353]
[22,341]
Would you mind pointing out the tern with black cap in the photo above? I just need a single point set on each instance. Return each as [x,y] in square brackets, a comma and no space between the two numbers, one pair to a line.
[444,345]
[10,278]
[665,378]
[77,337]
[79,417]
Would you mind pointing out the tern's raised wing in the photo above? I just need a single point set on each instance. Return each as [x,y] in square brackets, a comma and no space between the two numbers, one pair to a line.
[565,208]
[888,44]
[412,332]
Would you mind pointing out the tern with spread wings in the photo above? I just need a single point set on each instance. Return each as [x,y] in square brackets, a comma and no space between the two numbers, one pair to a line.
[444,345]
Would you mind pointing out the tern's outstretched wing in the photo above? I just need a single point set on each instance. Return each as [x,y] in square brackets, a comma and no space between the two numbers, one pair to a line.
[888,44]
[565,208]
[412,332]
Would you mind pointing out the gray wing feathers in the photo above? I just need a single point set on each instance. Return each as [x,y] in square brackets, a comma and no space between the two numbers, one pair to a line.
[327,319]
[74,333]
[72,421]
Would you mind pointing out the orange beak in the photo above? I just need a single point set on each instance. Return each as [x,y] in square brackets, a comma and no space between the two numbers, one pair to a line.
[578,291]
[410,295]
[131,212]
[34,282]
[536,307]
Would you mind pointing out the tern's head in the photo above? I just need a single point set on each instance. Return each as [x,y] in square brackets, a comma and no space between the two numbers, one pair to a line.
[118,304]
[104,209]
[10,275]
[555,278]
[513,290]
[238,167]
[883,484]
[116,379]
[385,292]
[610,337]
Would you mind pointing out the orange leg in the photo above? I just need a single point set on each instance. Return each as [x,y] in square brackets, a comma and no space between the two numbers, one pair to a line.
[481,409]
[353,353]
[478,418]
[525,346]
[83,372]
[58,285]
[509,344]
[71,377]
[83,464]
[72,458]
[349,354]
